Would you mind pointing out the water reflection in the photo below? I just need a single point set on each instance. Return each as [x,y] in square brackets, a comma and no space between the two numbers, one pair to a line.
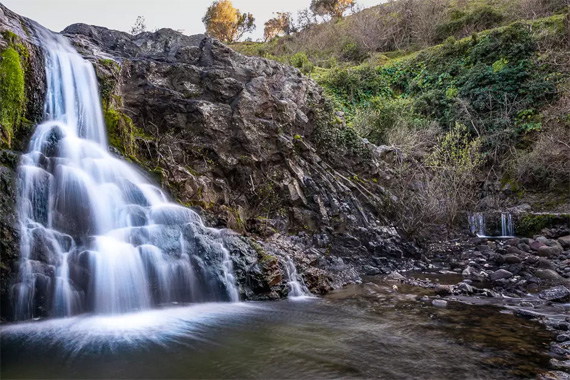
[363,331]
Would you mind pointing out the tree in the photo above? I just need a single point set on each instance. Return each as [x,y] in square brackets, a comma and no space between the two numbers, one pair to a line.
[226,23]
[140,26]
[305,19]
[281,24]
[332,8]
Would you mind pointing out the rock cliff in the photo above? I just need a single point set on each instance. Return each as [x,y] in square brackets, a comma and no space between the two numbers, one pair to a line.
[251,143]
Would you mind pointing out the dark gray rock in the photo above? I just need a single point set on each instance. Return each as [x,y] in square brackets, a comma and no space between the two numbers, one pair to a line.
[558,293]
[500,274]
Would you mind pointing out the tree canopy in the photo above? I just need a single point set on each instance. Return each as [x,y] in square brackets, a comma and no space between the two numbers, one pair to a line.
[332,8]
[226,23]
[282,23]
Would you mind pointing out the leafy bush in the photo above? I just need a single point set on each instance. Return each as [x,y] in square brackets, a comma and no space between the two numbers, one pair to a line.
[354,52]
[464,23]
[384,115]
[298,60]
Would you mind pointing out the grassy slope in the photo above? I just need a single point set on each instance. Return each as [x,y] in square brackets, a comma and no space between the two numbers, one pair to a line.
[509,84]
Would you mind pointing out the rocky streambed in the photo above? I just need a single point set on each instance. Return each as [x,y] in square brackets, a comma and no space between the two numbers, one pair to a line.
[527,278]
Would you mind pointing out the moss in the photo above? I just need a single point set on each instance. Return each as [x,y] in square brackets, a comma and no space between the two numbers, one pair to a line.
[532,224]
[12,90]
[121,131]
[263,256]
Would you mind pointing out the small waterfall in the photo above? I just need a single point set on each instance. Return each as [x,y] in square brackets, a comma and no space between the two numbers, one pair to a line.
[96,235]
[296,288]
[507,227]
[477,224]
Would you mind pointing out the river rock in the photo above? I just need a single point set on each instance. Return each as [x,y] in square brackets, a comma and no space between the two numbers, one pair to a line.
[547,251]
[439,303]
[500,274]
[395,276]
[547,274]
[512,259]
[564,241]
[535,244]
[558,293]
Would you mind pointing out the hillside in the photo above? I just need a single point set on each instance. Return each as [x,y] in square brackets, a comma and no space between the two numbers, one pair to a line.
[504,80]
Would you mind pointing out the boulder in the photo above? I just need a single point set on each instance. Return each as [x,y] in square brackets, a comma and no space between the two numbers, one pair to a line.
[547,251]
[500,274]
[564,241]
[558,293]
[547,274]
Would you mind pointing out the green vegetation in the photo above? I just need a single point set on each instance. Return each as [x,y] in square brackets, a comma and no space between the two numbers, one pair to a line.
[495,83]
[463,92]
[13,61]
[533,224]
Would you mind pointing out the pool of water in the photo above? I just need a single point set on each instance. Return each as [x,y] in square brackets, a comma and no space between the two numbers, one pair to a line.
[362,331]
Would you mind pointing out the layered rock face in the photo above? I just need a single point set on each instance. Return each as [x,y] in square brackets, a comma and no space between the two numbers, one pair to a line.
[16,122]
[251,143]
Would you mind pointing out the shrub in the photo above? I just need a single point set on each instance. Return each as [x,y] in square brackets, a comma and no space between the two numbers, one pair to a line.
[384,115]
[354,52]
[546,165]
[464,23]
[298,60]
[455,162]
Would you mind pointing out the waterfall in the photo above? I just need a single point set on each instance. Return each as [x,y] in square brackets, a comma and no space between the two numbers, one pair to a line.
[96,236]
[477,224]
[507,228]
[296,288]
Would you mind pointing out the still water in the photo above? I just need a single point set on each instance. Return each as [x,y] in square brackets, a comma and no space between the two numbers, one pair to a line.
[362,331]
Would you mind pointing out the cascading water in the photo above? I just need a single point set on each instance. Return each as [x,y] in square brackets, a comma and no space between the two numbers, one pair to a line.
[96,236]
[478,225]
[296,287]
[507,227]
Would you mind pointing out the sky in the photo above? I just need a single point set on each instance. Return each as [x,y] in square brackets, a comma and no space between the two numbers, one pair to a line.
[183,15]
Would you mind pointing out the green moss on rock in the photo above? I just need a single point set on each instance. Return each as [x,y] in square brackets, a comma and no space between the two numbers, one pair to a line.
[12,93]
[533,224]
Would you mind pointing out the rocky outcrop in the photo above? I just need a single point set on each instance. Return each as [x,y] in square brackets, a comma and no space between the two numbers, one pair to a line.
[18,114]
[254,144]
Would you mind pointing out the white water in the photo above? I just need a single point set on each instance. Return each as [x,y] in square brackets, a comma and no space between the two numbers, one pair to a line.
[507,227]
[96,235]
[296,288]
[478,226]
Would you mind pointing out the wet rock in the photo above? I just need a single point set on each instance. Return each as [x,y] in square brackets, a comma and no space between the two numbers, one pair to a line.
[560,350]
[525,313]
[547,274]
[439,303]
[395,276]
[500,274]
[558,293]
[465,288]
[562,338]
